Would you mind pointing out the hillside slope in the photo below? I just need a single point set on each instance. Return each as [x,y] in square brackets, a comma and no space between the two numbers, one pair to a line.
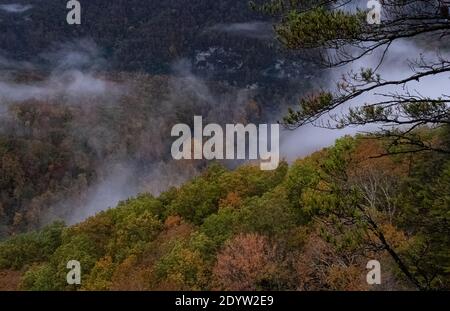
[225,41]
[309,226]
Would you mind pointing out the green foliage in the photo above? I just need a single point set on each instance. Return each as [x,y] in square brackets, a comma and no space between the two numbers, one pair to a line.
[317,27]
[183,267]
[426,212]
[78,247]
[270,215]
[132,233]
[249,181]
[101,275]
[303,175]
[220,227]
[140,204]
[339,157]
[42,278]
[308,108]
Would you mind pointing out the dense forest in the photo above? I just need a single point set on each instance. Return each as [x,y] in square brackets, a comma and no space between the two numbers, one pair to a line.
[82,105]
[225,40]
[55,148]
[311,225]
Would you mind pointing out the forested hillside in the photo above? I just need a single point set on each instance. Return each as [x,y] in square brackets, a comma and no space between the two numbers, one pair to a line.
[311,225]
[86,111]
[87,172]
[55,148]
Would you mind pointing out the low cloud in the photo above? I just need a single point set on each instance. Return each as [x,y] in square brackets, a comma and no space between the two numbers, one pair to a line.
[149,167]
[74,70]
[74,84]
